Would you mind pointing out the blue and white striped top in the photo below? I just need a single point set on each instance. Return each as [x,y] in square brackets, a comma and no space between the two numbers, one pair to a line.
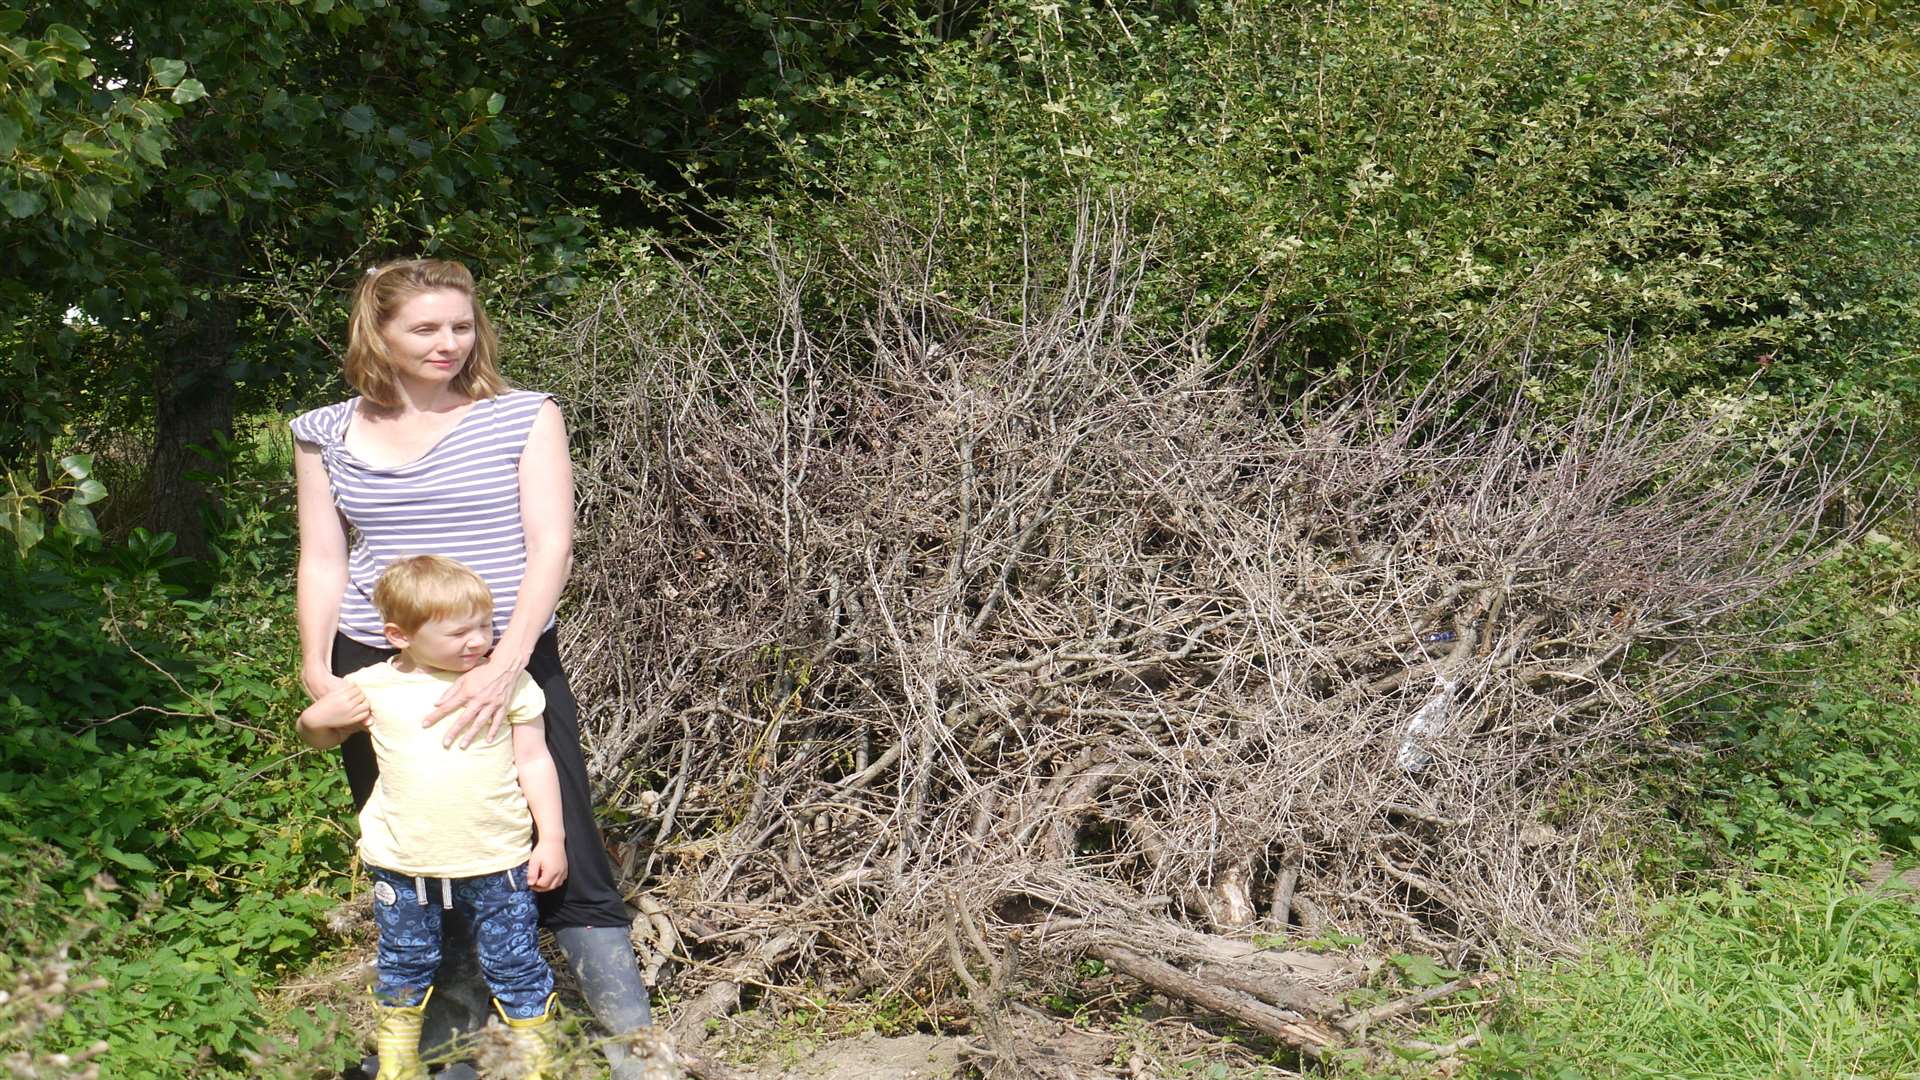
[460,499]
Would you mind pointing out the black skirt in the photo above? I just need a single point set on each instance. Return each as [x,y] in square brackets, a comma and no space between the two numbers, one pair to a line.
[590,896]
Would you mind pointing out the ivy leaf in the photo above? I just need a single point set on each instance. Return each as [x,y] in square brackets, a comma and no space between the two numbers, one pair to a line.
[358,119]
[78,466]
[189,91]
[9,135]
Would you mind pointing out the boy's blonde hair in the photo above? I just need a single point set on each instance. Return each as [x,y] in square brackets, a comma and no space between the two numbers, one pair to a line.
[377,296]
[419,589]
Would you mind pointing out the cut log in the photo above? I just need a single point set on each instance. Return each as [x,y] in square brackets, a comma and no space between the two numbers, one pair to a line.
[1286,993]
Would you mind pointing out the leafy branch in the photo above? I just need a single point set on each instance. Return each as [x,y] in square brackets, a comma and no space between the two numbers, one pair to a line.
[26,507]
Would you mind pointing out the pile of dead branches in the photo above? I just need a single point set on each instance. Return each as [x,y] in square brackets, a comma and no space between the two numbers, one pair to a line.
[926,645]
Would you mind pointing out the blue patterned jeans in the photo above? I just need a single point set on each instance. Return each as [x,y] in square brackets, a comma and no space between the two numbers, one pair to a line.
[506,931]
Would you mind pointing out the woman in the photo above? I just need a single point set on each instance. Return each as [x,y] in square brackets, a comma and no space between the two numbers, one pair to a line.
[439,456]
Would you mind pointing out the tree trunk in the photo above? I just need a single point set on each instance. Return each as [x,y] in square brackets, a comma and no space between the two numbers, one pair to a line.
[193,403]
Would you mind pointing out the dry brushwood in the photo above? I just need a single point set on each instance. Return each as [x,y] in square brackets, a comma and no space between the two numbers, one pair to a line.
[908,633]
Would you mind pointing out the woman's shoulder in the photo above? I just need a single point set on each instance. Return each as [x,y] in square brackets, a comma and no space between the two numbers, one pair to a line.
[325,425]
[512,414]
[521,402]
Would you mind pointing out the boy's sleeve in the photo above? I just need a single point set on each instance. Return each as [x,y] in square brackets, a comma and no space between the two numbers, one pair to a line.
[528,703]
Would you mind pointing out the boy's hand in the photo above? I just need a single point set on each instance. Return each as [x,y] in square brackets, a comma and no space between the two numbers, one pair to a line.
[547,867]
[344,707]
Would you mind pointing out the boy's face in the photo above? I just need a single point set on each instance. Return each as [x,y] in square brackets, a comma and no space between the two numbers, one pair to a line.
[450,643]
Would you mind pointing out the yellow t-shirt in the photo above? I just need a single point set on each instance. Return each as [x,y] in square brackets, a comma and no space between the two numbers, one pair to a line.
[441,811]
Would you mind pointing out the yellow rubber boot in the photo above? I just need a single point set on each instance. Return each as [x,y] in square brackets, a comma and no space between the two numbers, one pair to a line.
[397,1039]
[533,1039]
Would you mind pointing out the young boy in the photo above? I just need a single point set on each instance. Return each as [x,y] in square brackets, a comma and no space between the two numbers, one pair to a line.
[448,827]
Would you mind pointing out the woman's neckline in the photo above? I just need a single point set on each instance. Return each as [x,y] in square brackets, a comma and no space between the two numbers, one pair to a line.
[353,413]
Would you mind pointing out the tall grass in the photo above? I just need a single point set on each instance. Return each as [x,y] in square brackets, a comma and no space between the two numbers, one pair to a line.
[1776,975]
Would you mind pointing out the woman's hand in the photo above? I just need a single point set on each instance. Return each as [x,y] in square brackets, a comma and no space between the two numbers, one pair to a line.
[477,702]
[320,681]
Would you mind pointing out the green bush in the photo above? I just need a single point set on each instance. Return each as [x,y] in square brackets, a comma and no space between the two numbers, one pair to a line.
[1770,952]
[1351,185]
[1813,758]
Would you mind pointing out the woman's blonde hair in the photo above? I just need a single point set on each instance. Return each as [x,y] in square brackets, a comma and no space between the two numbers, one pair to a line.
[421,588]
[378,296]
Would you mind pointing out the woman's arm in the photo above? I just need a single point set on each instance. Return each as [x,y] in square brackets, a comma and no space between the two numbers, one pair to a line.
[546,515]
[321,579]
[540,783]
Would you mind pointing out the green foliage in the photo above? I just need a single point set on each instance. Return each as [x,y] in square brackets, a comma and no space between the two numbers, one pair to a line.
[1356,185]
[1421,971]
[1818,760]
[26,506]
[145,743]
[74,149]
[166,167]
[1886,28]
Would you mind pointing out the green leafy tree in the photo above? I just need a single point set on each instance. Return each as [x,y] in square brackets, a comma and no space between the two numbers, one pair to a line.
[75,151]
[324,128]
[204,146]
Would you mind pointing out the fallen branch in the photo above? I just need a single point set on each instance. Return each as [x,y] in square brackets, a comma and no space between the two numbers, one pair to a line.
[1361,1021]
[1311,1037]
[690,1026]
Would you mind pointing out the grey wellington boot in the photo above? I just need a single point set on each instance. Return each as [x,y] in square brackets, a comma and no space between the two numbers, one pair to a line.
[601,959]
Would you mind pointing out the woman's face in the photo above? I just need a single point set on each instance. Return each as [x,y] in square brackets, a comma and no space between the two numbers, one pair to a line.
[430,336]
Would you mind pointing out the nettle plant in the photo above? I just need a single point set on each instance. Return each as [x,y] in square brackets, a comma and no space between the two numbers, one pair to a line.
[158,836]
